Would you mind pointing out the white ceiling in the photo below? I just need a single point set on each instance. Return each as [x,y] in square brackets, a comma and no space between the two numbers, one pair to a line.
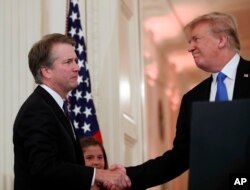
[180,12]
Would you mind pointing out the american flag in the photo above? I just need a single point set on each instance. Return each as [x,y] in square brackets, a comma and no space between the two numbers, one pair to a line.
[81,106]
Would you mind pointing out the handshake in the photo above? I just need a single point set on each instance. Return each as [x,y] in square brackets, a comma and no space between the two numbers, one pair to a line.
[114,178]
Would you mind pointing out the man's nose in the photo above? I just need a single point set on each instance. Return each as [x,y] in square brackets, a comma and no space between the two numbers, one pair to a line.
[77,66]
[190,47]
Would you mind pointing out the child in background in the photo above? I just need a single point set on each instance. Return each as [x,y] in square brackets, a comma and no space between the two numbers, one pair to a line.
[94,156]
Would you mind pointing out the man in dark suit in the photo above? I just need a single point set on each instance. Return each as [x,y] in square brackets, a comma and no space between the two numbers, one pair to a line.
[47,153]
[214,44]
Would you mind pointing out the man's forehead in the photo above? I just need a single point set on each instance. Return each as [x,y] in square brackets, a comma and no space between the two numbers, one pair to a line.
[198,29]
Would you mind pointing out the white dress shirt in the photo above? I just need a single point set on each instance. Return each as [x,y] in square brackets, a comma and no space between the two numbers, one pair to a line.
[230,71]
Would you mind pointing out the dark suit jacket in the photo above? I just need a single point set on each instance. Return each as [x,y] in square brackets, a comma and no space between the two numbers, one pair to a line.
[175,161]
[46,155]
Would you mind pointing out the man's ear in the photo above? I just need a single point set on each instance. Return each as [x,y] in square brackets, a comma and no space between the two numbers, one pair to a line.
[223,41]
[46,72]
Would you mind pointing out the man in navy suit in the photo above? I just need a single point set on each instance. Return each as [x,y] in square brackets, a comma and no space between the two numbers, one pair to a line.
[47,153]
[214,44]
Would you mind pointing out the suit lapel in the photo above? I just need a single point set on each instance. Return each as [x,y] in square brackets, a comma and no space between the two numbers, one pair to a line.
[242,81]
[203,91]
[56,110]
[207,88]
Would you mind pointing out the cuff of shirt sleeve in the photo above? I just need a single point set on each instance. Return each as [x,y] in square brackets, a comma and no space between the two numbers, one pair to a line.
[93,179]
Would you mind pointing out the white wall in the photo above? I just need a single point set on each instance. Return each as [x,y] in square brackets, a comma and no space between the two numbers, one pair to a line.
[19,28]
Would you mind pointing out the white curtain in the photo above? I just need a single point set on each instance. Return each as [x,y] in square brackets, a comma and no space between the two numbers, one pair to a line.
[19,28]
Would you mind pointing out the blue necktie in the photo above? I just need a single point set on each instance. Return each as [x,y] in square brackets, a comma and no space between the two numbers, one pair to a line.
[221,94]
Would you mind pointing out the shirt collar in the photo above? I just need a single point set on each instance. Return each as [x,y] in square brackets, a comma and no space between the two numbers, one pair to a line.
[54,94]
[230,68]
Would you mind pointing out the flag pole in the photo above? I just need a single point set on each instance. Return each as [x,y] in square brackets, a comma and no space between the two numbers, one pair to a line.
[66,15]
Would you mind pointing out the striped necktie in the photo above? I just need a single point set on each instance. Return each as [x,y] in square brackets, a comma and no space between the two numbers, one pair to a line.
[66,112]
[65,108]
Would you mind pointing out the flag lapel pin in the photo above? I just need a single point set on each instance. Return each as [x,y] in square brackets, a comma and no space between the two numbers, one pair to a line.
[246,75]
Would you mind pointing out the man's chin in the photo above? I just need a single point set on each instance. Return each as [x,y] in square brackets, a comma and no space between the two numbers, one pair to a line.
[74,85]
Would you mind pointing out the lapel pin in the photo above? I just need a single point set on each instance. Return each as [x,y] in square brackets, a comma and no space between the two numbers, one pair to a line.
[246,75]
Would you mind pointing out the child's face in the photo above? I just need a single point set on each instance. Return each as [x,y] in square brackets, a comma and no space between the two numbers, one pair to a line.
[94,157]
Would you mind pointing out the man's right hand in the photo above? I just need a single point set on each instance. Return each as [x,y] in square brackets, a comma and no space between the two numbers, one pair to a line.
[113,179]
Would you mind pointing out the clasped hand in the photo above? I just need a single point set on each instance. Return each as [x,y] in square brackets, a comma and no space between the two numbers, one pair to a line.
[114,178]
